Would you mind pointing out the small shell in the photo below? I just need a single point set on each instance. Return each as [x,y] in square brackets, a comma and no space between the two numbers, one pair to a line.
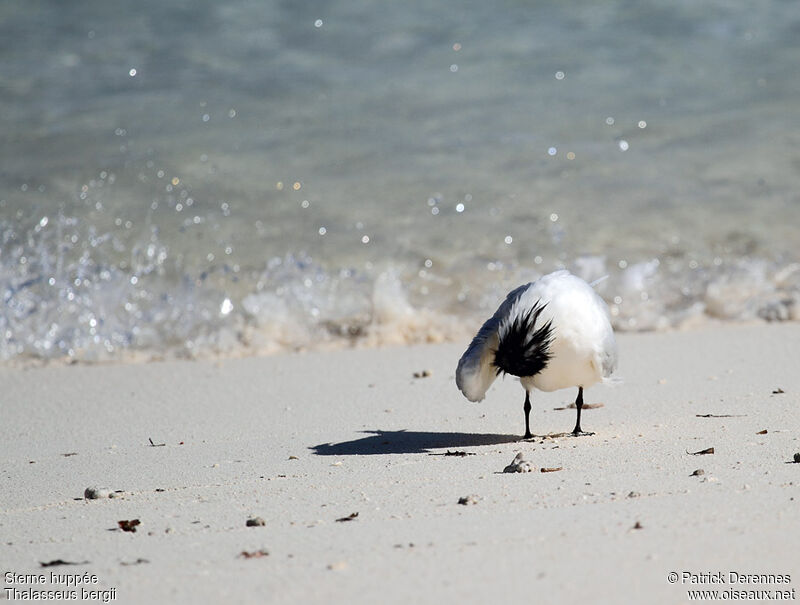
[519,465]
[97,493]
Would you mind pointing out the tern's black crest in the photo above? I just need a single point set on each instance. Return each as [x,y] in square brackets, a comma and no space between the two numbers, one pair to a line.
[523,351]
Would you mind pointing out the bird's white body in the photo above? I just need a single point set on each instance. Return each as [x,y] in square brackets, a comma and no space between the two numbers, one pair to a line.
[582,348]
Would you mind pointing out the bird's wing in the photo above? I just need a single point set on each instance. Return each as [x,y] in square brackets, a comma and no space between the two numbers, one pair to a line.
[476,371]
[608,356]
[606,352]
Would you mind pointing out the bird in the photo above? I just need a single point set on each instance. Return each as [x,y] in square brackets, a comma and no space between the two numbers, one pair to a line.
[552,333]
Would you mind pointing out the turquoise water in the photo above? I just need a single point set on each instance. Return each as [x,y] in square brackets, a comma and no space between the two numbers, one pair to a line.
[205,178]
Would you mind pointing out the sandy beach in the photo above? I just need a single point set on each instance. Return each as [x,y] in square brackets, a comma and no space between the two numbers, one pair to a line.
[342,454]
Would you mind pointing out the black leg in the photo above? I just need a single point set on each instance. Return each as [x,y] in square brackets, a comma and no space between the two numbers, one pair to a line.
[579,404]
[527,408]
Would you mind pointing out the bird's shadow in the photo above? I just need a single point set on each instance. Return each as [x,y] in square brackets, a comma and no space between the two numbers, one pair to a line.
[408,442]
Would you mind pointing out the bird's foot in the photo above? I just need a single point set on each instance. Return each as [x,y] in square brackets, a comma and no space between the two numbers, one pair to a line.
[527,435]
[580,433]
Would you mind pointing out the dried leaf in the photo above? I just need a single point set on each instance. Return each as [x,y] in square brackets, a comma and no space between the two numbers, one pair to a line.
[457,453]
[552,469]
[136,562]
[778,391]
[129,525]
[764,432]
[255,554]
[709,450]
[720,415]
[350,517]
[56,562]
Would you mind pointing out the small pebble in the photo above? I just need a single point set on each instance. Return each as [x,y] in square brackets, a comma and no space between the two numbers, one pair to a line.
[633,494]
[422,374]
[255,522]
[698,472]
[519,465]
[797,457]
[471,499]
[98,493]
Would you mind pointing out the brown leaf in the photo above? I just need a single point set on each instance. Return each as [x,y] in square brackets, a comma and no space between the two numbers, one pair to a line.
[708,450]
[255,554]
[129,525]
[764,432]
[551,470]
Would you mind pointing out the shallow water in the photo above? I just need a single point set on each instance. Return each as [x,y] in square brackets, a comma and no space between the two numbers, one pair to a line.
[213,178]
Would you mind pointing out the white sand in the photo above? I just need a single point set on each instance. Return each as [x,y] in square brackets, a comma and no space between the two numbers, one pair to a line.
[361,428]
